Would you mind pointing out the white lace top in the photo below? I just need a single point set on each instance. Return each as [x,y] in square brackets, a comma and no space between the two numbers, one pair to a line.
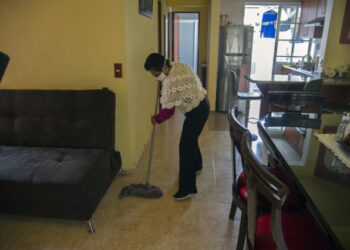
[182,88]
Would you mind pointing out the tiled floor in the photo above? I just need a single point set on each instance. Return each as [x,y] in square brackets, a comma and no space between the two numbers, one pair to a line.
[136,223]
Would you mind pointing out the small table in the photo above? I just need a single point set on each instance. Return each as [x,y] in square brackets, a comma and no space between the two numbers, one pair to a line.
[328,140]
[253,94]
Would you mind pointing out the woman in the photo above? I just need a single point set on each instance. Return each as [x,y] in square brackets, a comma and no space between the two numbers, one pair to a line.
[181,88]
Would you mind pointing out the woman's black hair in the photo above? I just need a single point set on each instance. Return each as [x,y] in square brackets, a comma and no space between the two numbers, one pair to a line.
[155,61]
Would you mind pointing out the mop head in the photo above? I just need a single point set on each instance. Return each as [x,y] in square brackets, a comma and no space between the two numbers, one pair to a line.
[141,190]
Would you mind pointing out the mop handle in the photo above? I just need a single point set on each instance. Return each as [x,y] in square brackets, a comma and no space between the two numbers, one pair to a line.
[152,138]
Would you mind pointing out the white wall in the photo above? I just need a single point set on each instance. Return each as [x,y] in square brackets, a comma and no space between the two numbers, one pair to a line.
[235,8]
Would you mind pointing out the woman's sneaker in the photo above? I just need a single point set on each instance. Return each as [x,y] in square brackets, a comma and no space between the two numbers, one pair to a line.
[180,196]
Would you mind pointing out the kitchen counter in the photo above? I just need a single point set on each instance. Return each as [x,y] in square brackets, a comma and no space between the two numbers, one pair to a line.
[296,79]
[313,75]
[299,70]
[280,79]
[336,81]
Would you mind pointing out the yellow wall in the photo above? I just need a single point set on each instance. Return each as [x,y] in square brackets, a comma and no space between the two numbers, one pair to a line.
[336,54]
[191,3]
[64,44]
[141,39]
[213,51]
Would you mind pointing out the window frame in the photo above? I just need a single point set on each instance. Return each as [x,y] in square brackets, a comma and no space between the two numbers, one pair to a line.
[297,25]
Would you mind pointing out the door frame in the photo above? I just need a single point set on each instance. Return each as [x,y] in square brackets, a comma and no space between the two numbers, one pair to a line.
[166,35]
[172,36]
[159,26]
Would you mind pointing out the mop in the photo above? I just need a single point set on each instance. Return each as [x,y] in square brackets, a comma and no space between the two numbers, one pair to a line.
[145,190]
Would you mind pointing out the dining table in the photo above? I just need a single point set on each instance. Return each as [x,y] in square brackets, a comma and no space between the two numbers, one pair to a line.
[321,171]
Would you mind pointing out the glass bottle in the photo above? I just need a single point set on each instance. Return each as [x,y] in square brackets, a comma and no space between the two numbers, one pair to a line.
[341,128]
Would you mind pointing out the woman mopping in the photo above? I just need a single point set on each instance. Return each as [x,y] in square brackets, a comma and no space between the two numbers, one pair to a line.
[181,88]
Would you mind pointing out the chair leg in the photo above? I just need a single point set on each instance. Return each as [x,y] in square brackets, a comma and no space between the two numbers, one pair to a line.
[246,115]
[90,227]
[242,231]
[233,211]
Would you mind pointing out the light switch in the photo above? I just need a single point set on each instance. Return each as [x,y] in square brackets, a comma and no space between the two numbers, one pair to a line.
[117,70]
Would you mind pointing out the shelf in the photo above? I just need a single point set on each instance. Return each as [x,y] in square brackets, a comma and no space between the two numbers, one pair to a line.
[328,140]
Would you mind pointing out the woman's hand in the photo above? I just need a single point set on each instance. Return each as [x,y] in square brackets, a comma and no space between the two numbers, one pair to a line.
[153,119]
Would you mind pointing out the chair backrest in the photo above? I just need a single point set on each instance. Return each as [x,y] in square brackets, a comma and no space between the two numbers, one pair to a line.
[313,86]
[259,180]
[233,78]
[235,82]
[4,60]
[237,131]
[278,165]
[57,118]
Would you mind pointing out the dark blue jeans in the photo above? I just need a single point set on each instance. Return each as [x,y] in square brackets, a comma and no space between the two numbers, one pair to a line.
[190,154]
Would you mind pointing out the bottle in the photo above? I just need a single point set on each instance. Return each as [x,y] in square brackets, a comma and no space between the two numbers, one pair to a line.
[346,136]
[341,128]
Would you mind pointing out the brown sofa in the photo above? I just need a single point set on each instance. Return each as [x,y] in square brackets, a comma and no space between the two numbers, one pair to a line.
[57,155]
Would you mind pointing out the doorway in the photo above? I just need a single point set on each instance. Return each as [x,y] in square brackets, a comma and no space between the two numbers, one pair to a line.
[263,47]
[185,38]
[262,50]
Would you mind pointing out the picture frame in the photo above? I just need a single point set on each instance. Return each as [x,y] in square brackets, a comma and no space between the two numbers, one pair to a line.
[345,30]
[146,8]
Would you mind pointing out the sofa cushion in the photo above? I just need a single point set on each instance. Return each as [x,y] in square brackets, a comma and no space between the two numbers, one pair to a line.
[55,182]
[57,118]
[46,165]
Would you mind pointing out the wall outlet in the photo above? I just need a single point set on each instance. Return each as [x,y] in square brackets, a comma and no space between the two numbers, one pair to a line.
[117,70]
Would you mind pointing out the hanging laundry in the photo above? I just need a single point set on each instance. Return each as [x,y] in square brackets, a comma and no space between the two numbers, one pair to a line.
[268,24]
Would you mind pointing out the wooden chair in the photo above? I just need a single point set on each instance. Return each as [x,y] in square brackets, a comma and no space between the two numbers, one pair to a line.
[236,133]
[277,230]
[278,167]
[313,86]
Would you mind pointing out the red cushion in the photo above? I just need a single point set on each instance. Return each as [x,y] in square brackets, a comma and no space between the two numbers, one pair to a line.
[243,190]
[241,181]
[300,232]
[292,203]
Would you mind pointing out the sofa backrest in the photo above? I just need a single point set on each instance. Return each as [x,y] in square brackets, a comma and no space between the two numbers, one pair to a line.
[57,118]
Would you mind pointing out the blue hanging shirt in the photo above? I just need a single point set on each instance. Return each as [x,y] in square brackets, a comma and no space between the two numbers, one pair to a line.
[267,24]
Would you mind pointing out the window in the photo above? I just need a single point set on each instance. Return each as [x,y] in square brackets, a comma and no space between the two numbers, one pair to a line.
[290,48]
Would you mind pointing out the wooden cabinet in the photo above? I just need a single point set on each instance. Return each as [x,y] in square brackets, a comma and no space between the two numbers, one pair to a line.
[308,13]
[310,10]
[295,137]
[321,8]
[285,71]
